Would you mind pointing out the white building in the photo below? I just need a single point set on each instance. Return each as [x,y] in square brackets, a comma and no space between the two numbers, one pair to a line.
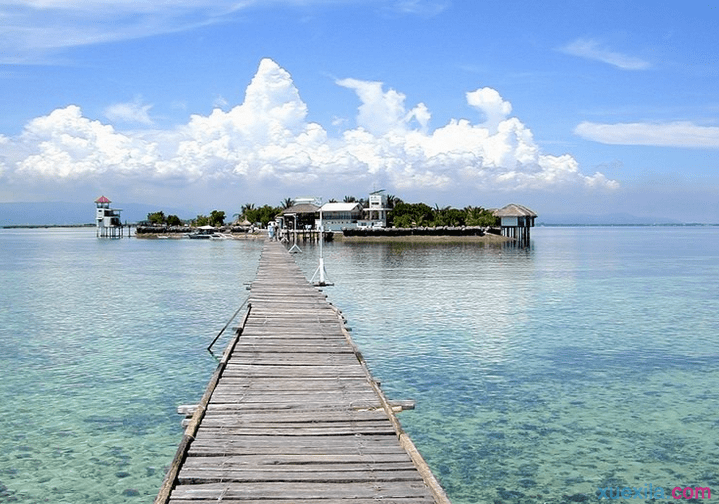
[375,215]
[335,216]
[107,220]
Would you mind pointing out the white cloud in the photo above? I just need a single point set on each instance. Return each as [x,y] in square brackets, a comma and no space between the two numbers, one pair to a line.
[66,145]
[382,112]
[130,112]
[268,142]
[494,108]
[670,134]
[591,49]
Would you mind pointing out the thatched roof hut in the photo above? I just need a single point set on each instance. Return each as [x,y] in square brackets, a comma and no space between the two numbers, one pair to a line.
[515,221]
[514,210]
[302,214]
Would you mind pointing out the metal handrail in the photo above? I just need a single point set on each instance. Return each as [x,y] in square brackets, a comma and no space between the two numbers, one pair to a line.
[209,348]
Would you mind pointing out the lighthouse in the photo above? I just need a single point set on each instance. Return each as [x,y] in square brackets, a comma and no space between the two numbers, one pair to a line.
[107,220]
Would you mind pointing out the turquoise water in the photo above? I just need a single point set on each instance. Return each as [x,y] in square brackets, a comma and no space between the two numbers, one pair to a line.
[588,360]
[100,340]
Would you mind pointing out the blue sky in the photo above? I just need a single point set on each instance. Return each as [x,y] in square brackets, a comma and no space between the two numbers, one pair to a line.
[566,107]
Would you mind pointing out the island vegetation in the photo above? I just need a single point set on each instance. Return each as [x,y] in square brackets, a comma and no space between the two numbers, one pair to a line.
[215,219]
[401,215]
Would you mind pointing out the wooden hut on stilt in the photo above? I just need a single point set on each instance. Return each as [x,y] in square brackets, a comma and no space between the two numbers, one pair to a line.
[515,221]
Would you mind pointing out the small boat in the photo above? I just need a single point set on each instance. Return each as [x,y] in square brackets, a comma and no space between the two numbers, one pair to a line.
[202,233]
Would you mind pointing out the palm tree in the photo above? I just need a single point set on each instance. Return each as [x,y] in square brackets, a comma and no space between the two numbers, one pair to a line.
[247,207]
[244,211]
[287,203]
[393,200]
[349,199]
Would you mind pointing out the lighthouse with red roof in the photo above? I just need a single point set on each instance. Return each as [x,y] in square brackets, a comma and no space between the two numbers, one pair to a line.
[107,219]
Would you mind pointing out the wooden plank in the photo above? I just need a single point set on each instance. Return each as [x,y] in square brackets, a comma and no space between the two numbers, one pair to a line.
[280,417]
[250,371]
[301,359]
[289,384]
[304,459]
[299,490]
[286,345]
[326,397]
[312,474]
[334,430]
[208,445]
[329,500]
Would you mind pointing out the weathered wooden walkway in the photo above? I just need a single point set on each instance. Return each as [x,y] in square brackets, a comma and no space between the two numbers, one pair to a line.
[292,415]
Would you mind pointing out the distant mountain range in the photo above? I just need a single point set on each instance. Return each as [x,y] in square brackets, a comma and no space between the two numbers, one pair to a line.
[71,214]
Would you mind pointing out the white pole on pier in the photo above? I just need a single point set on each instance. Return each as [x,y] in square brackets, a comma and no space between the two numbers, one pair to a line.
[321,268]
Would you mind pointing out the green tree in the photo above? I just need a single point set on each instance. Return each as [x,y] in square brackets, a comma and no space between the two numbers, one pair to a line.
[349,199]
[478,216]
[287,203]
[217,218]
[411,215]
[173,220]
[393,200]
[157,218]
[449,216]
[244,212]
[202,220]
[263,215]
[401,221]
[247,207]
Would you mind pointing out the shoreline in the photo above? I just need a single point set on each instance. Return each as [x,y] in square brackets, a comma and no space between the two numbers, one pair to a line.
[177,234]
[490,239]
[181,236]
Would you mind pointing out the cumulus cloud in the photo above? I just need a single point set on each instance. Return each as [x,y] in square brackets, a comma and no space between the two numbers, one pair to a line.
[384,111]
[669,134]
[130,112]
[267,140]
[593,50]
[66,145]
[490,103]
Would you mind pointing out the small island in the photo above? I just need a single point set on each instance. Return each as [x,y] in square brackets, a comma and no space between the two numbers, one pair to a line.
[380,217]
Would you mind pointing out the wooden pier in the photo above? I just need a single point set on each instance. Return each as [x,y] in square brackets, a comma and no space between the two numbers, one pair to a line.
[292,415]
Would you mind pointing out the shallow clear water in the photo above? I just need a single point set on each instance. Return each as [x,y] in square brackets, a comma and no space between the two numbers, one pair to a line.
[543,374]
[100,340]
[540,375]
